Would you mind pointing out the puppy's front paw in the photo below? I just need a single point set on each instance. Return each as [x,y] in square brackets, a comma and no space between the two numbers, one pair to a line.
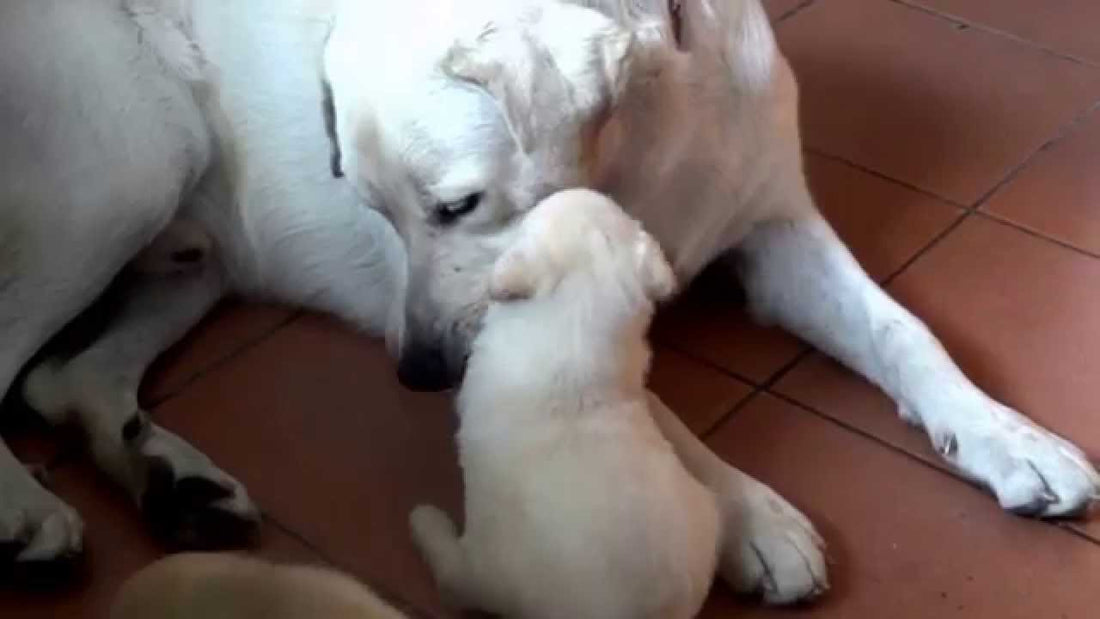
[769,548]
[1032,471]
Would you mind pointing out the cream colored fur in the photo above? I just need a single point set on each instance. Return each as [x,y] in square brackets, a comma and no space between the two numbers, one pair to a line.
[576,505]
[226,586]
[451,119]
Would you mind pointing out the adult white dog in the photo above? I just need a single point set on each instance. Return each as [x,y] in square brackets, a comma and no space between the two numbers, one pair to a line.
[451,119]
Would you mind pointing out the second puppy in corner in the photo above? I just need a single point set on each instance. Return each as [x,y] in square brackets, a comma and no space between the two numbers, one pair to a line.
[576,505]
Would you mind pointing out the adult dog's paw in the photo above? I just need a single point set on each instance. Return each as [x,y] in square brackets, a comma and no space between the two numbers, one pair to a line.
[1032,471]
[41,537]
[769,548]
[190,503]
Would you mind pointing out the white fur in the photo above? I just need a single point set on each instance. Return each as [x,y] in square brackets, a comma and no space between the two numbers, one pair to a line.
[211,111]
[576,505]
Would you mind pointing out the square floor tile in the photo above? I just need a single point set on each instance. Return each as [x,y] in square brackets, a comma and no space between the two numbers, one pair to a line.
[883,223]
[117,545]
[229,328]
[912,96]
[905,540]
[1066,26]
[1058,194]
[1018,315]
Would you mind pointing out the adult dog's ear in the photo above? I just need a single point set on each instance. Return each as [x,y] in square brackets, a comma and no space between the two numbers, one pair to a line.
[328,111]
[658,280]
[548,67]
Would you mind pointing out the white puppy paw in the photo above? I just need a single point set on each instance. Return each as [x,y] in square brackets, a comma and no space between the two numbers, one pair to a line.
[1032,471]
[36,527]
[769,547]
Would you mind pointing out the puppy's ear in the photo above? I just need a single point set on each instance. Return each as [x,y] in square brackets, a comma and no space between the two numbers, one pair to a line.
[514,276]
[547,67]
[328,111]
[658,280]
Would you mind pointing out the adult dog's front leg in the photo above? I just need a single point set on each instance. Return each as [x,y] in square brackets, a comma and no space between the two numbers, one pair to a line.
[798,273]
[768,546]
[187,499]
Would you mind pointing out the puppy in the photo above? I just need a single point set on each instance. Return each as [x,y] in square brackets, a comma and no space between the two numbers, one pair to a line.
[576,505]
[226,586]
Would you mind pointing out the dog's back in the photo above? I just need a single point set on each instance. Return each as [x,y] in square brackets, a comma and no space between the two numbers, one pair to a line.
[576,505]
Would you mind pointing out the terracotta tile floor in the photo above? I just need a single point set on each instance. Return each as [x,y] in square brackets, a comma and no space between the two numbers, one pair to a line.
[953,145]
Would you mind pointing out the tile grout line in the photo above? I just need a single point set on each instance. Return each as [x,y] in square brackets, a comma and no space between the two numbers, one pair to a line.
[1060,134]
[757,387]
[710,364]
[881,176]
[721,421]
[993,217]
[805,4]
[927,463]
[962,23]
[220,363]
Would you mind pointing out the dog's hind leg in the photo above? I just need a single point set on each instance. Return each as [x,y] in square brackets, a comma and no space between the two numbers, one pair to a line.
[188,501]
[41,295]
[768,547]
[100,145]
[798,273]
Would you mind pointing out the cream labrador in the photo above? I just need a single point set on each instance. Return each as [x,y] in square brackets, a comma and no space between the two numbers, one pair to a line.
[450,120]
[576,505]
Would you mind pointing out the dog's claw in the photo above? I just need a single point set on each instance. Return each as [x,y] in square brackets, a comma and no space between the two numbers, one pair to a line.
[770,548]
[1032,471]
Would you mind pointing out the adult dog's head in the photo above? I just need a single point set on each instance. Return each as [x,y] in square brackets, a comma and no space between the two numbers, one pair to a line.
[453,118]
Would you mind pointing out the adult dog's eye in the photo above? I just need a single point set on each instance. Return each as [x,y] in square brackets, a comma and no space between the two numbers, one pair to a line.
[450,212]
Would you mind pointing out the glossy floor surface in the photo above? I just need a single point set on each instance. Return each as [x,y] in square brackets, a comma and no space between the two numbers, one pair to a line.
[954,146]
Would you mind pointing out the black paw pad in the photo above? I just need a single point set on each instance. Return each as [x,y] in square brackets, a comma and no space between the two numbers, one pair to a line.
[182,513]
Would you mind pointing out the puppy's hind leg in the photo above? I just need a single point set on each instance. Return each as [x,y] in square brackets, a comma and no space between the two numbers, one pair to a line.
[188,501]
[768,546]
[436,537]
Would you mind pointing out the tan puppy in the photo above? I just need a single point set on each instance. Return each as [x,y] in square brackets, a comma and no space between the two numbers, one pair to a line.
[576,506]
[224,586]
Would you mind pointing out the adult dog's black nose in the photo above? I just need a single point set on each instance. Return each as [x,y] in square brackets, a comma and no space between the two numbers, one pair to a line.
[424,369]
